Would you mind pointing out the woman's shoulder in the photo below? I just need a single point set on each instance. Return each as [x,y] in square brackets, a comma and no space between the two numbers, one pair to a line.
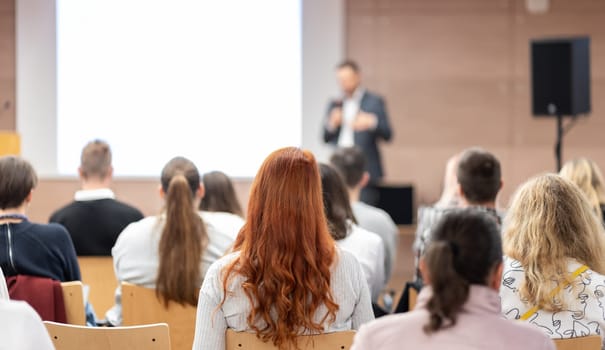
[217,267]
[387,330]
[346,262]
[145,225]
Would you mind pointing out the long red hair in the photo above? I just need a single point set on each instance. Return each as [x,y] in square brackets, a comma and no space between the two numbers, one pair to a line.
[286,250]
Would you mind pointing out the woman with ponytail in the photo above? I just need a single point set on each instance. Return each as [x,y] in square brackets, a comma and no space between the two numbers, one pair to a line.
[460,307]
[170,252]
[286,277]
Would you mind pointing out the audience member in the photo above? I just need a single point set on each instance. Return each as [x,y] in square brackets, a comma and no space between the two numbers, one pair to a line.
[95,219]
[479,180]
[460,307]
[27,248]
[586,174]
[365,245]
[21,326]
[286,276]
[554,261]
[220,207]
[170,252]
[350,162]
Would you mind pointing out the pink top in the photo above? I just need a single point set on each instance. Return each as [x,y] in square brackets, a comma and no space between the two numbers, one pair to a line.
[479,326]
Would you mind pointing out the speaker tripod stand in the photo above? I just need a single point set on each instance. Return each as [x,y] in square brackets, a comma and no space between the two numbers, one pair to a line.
[561,131]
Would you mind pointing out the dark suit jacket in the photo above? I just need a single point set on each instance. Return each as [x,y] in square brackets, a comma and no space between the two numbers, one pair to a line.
[367,141]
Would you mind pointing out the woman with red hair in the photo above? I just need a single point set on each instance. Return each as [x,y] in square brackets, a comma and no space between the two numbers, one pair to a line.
[285,277]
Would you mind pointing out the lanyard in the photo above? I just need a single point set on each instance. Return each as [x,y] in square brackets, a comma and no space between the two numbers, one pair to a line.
[555,291]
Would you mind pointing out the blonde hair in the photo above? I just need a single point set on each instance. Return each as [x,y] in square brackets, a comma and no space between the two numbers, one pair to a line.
[549,222]
[586,174]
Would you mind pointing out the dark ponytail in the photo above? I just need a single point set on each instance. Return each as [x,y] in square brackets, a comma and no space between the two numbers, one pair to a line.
[465,249]
[450,291]
[184,237]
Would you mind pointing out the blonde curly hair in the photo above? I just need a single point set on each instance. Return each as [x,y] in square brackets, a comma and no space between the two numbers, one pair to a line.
[549,222]
[586,174]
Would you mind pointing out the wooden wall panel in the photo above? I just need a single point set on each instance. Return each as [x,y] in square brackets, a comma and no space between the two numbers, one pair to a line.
[456,74]
[52,194]
[7,65]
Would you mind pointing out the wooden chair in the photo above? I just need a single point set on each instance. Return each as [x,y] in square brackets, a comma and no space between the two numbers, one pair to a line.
[591,342]
[97,272]
[73,298]
[328,341]
[412,297]
[70,337]
[141,306]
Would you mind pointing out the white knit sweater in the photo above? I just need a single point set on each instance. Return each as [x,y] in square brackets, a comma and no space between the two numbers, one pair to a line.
[349,289]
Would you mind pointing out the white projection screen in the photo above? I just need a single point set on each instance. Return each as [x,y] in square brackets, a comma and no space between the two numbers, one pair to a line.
[218,82]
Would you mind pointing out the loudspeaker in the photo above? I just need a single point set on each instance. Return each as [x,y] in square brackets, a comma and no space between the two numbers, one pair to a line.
[560,72]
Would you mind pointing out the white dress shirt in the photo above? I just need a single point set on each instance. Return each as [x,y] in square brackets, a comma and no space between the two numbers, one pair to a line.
[93,195]
[350,108]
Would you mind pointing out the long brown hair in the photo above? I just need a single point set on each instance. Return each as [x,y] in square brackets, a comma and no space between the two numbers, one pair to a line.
[285,250]
[336,202]
[184,237]
[219,194]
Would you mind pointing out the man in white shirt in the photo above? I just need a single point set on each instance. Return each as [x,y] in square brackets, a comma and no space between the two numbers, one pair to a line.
[358,118]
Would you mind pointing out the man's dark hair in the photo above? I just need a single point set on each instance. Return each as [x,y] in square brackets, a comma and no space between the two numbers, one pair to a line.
[479,176]
[17,179]
[349,64]
[351,163]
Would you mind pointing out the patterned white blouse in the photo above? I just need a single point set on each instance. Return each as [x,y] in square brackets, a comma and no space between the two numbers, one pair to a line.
[584,298]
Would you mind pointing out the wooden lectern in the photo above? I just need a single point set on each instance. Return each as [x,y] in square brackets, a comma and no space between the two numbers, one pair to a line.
[10,143]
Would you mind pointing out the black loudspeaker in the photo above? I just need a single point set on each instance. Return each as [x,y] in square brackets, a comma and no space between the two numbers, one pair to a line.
[560,71]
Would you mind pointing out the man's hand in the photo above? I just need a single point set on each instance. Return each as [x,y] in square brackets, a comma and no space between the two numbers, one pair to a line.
[335,118]
[365,121]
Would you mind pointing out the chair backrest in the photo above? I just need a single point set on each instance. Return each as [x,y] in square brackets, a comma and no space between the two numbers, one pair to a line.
[413,295]
[73,298]
[70,337]
[328,341]
[97,272]
[141,306]
[591,342]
